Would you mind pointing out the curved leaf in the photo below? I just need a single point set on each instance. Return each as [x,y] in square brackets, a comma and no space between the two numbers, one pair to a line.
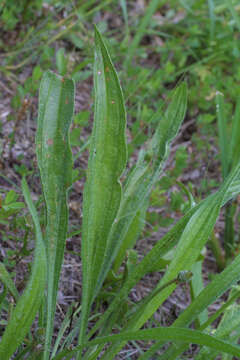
[56,103]
[193,238]
[165,334]
[29,303]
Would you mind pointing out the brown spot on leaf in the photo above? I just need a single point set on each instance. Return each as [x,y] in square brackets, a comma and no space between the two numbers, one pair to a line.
[50,142]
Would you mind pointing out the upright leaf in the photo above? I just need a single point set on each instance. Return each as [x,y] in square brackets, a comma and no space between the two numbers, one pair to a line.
[221,283]
[29,303]
[6,279]
[143,177]
[56,104]
[223,135]
[165,244]
[192,240]
[102,193]
[234,151]
[165,333]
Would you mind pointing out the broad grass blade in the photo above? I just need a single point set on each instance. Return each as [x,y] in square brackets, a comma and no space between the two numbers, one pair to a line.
[56,104]
[29,303]
[107,161]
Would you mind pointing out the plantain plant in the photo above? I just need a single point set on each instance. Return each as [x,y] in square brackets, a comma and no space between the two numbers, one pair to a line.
[114,208]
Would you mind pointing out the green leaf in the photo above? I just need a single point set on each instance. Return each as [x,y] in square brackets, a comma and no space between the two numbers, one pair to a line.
[56,103]
[194,234]
[107,160]
[6,279]
[223,135]
[164,245]
[134,230]
[141,29]
[61,62]
[29,303]
[221,283]
[142,179]
[234,151]
[227,330]
[10,197]
[197,286]
[192,240]
[165,334]
[13,206]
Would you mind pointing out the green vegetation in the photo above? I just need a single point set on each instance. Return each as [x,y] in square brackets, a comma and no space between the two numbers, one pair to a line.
[134,187]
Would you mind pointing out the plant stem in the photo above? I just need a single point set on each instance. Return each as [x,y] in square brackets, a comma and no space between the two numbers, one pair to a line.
[217,252]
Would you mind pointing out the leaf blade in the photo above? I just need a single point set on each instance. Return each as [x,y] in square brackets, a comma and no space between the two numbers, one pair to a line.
[107,160]
[56,104]
[29,303]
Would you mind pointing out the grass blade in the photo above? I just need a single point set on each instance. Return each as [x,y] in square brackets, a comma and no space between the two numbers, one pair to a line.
[29,303]
[234,151]
[222,130]
[141,29]
[56,103]
[234,13]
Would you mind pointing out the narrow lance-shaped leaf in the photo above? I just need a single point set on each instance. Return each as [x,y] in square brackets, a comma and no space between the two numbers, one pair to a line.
[220,284]
[56,104]
[164,245]
[102,192]
[142,179]
[234,148]
[191,242]
[195,235]
[227,329]
[223,135]
[29,303]
[133,233]
[164,333]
